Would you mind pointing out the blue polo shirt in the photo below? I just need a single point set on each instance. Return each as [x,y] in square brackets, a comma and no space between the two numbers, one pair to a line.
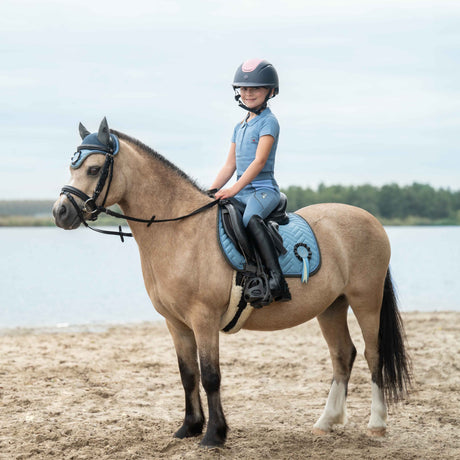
[246,137]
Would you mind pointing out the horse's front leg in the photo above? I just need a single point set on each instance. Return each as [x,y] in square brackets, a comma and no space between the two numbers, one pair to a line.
[186,349]
[207,337]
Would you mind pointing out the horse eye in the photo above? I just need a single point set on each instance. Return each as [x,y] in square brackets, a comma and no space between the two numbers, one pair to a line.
[93,170]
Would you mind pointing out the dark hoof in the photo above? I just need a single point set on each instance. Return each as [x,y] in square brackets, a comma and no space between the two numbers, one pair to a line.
[211,443]
[214,438]
[189,431]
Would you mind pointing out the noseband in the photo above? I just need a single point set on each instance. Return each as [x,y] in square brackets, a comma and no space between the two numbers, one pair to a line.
[89,203]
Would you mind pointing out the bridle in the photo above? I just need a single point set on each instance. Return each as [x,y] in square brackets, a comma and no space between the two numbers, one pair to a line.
[89,203]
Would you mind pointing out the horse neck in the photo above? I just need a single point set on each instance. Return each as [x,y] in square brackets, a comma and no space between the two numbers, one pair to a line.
[174,255]
[155,188]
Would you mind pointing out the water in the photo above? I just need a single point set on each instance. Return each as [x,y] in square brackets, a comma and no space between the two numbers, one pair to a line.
[51,277]
[425,265]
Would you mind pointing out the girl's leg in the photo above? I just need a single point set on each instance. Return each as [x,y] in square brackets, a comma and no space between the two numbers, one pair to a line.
[260,203]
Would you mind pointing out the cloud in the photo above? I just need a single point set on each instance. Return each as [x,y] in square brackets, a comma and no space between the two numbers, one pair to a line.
[361,83]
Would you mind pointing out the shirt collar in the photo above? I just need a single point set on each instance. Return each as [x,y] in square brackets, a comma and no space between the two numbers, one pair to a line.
[263,114]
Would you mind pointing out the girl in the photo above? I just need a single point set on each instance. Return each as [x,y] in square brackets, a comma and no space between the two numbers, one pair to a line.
[252,155]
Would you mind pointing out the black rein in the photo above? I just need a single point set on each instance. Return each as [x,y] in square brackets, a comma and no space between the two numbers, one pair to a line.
[91,207]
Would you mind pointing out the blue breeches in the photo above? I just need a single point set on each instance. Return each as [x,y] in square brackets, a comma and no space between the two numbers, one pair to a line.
[258,202]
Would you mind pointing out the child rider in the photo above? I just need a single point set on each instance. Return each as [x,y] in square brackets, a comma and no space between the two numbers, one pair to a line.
[252,155]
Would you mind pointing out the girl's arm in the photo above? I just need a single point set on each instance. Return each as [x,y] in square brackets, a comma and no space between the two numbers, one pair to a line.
[227,170]
[262,153]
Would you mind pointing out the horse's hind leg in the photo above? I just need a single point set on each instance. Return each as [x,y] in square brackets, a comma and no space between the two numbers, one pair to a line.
[186,349]
[333,323]
[381,324]
[367,312]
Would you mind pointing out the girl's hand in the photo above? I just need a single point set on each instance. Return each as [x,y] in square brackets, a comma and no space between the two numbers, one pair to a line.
[225,193]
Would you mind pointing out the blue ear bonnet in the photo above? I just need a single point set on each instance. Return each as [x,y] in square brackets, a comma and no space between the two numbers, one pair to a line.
[94,145]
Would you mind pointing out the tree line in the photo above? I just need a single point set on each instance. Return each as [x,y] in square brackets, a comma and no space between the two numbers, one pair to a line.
[419,202]
[26,207]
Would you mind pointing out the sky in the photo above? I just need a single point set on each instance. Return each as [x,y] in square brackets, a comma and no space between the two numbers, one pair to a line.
[369,90]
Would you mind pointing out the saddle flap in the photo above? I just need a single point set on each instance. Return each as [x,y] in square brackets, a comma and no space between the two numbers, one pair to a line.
[232,221]
[233,225]
[273,228]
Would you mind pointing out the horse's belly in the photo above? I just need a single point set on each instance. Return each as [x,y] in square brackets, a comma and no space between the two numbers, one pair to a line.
[304,306]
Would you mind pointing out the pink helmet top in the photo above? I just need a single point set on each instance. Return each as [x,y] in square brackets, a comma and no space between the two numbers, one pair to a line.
[250,65]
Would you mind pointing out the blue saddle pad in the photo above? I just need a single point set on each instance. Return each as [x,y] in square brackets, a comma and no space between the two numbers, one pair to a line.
[298,238]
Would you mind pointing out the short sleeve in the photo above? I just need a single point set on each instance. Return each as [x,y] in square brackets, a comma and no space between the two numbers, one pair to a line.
[270,127]
[234,132]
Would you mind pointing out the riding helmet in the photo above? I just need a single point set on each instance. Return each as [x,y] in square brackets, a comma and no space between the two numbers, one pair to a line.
[256,72]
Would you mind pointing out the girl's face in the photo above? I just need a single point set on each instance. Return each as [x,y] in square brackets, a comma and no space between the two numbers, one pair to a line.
[253,96]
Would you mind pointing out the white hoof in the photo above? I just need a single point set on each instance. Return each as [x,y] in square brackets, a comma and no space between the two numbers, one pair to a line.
[376,432]
[319,431]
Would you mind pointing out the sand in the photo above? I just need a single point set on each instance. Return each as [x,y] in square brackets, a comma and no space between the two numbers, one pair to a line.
[116,394]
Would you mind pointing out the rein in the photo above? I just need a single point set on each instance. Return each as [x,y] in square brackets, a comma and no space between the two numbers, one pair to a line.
[91,207]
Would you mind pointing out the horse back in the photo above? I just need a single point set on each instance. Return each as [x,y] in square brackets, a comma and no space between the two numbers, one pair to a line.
[349,231]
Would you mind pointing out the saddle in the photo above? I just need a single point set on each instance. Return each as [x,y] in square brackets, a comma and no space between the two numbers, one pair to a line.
[299,255]
[232,220]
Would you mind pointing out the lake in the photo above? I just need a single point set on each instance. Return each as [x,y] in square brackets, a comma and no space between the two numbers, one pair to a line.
[55,278]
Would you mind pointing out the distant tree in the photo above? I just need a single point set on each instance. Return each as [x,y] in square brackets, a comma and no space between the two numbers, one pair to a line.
[389,201]
[25,207]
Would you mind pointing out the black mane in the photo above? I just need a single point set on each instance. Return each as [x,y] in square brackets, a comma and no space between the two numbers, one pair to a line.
[157,156]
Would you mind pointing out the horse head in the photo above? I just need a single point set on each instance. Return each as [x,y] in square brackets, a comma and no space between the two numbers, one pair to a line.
[92,185]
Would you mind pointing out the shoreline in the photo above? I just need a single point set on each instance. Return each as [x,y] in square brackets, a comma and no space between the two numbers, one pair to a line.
[66,328]
[100,327]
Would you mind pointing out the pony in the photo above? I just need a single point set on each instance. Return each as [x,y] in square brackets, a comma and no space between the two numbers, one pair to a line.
[190,282]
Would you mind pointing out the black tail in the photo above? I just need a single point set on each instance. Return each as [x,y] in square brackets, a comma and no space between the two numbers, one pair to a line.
[394,366]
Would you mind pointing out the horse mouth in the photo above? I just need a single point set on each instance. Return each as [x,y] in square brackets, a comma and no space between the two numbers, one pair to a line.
[65,216]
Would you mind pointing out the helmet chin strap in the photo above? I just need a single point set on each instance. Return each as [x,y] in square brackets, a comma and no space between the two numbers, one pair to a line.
[257,111]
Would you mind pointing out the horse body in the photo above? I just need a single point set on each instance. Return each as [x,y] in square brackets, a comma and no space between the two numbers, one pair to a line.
[189,283]
[350,240]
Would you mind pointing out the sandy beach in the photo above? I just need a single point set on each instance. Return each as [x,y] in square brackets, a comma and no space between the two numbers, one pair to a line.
[116,394]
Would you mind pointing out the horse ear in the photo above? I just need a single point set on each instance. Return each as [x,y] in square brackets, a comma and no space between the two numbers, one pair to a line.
[83,131]
[104,133]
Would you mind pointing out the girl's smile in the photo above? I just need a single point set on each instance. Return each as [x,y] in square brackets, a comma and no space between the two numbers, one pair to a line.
[253,96]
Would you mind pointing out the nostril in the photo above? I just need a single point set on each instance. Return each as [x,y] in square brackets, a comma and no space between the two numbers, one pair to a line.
[62,210]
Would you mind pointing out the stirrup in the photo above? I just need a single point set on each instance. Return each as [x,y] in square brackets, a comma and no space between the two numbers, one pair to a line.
[256,292]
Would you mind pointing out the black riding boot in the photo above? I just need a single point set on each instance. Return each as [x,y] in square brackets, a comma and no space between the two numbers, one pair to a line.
[266,249]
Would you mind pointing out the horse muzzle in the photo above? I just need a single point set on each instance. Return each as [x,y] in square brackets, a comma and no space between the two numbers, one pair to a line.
[65,214]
